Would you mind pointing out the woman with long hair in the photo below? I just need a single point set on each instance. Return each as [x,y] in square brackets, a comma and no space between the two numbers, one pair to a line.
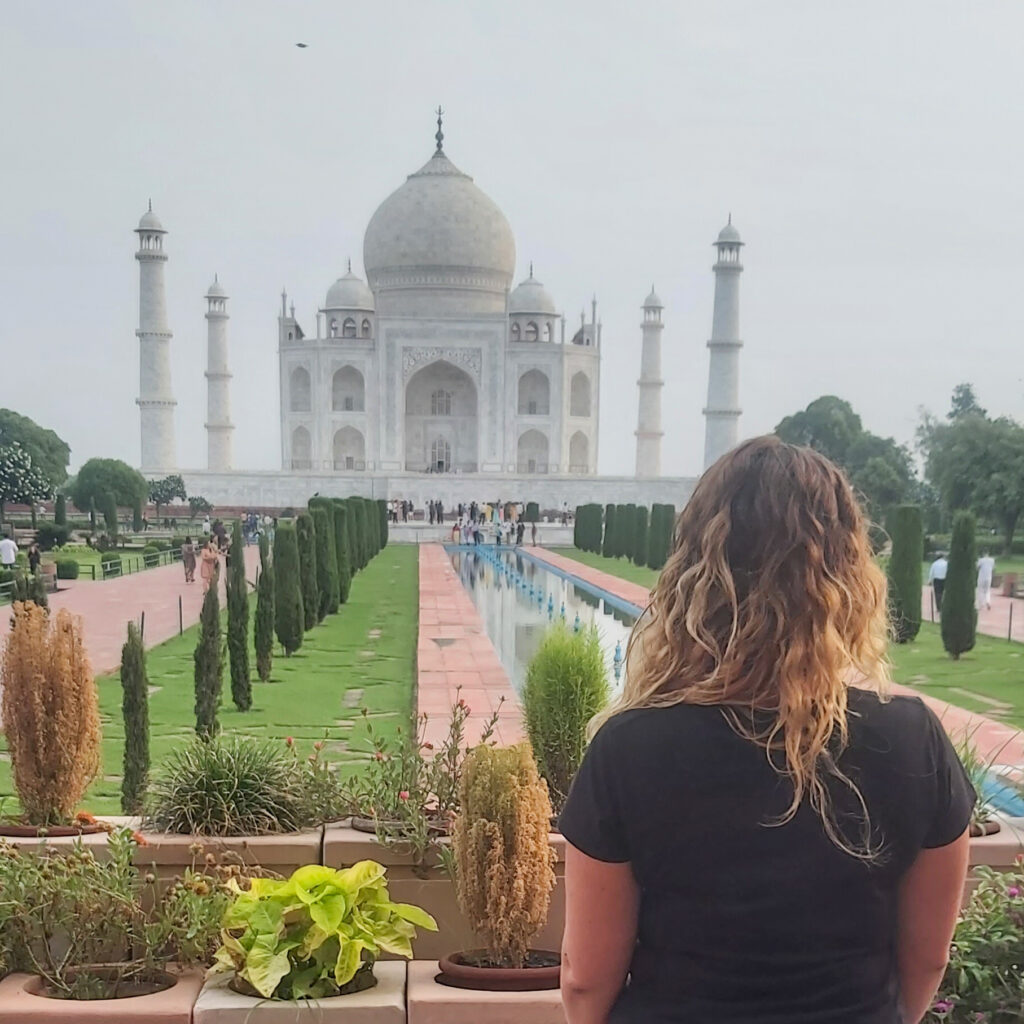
[758,834]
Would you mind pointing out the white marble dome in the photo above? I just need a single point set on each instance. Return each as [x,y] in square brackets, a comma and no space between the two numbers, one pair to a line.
[436,233]
[530,296]
[729,233]
[150,222]
[216,290]
[349,292]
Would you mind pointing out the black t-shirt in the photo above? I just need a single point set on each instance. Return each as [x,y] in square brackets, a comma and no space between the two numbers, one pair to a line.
[743,922]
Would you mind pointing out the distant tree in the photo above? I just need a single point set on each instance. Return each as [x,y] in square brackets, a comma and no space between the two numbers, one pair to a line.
[209,665]
[288,611]
[49,453]
[99,477]
[610,531]
[137,515]
[163,492]
[263,627]
[828,425]
[342,535]
[384,532]
[326,559]
[354,536]
[60,511]
[959,617]
[963,403]
[199,506]
[904,571]
[306,533]
[21,483]
[135,712]
[238,622]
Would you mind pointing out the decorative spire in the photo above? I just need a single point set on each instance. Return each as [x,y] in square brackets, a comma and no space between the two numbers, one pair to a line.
[151,206]
[730,216]
[350,264]
[214,277]
[531,268]
[440,133]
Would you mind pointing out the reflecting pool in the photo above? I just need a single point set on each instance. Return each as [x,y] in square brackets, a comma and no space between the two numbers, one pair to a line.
[518,598]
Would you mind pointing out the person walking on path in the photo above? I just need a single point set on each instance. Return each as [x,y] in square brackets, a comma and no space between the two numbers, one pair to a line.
[34,557]
[937,578]
[188,560]
[8,552]
[756,681]
[209,563]
[986,567]
[520,530]
[533,533]
[206,526]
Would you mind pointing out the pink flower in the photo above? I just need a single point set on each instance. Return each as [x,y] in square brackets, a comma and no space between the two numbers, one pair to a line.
[943,1006]
[289,742]
[319,745]
[404,795]
[1013,891]
[378,756]
[428,746]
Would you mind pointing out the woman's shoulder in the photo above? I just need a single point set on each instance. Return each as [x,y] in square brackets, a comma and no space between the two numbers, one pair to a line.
[642,725]
[892,710]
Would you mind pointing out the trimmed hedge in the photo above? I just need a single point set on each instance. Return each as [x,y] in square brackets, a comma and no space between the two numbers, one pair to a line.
[51,535]
[906,528]
[532,513]
[60,510]
[288,611]
[640,540]
[326,559]
[67,569]
[610,531]
[342,534]
[959,617]
[306,532]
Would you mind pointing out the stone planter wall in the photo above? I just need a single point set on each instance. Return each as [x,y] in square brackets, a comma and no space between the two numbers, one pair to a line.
[435,893]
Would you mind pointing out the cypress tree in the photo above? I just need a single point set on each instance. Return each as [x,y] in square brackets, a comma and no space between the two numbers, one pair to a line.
[640,539]
[137,515]
[577,521]
[135,712]
[341,547]
[374,527]
[60,511]
[608,545]
[959,617]
[629,533]
[362,533]
[382,508]
[326,560]
[906,528]
[354,540]
[622,525]
[110,514]
[532,512]
[209,665]
[238,622]
[263,627]
[306,534]
[288,613]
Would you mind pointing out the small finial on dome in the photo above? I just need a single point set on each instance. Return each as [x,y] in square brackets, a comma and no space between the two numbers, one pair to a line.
[440,133]
[350,264]
[151,206]
[531,268]
[215,277]
[730,216]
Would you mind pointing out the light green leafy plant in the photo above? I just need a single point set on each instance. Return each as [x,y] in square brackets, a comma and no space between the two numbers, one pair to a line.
[317,934]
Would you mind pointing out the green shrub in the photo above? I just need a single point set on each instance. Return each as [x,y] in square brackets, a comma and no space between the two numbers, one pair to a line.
[342,537]
[640,536]
[385,530]
[263,626]
[306,534]
[238,622]
[904,571]
[110,513]
[228,786]
[532,512]
[610,531]
[50,536]
[29,587]
[137,515]
[358,543]
[326,557]
[566,685]
[135,713]
[959,618]
[209,665]
[60,510]
[659,535]
[67,569]
[288,614]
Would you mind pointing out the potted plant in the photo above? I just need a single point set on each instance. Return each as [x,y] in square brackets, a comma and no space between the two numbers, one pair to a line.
[50,713]
[979,771]
[566,685]
[504,873]
[984,980]
[91,929]
[313,937]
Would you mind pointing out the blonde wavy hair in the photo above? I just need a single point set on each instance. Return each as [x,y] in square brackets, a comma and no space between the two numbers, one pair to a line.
[771,601]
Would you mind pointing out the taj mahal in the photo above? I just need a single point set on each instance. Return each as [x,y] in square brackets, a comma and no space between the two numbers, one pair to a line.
[436,376]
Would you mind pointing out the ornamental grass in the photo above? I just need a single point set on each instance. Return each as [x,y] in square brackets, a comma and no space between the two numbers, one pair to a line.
[50,712]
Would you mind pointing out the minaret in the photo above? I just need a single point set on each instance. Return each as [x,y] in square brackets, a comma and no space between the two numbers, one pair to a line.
[648,420]
[219,427]
[722,413]
[156,402]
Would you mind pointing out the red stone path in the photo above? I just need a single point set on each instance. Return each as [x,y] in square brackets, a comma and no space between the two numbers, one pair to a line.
[993,739]
[995,621]
[106,607]
[455,657]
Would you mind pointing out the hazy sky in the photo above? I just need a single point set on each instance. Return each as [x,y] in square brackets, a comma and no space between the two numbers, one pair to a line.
[871,155]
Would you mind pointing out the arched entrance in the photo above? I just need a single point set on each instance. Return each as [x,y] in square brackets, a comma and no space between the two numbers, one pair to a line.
[532,452]
[349,449]
[579,453]
[302,449]
[348,390]
[441,420]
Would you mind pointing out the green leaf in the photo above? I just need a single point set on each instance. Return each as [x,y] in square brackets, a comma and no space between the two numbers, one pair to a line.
[415,915]
[265,966]
[348,961]
[367,873]
[328,912]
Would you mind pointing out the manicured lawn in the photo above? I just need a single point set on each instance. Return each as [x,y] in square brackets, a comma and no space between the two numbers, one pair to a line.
[621,567]
[988,680]
[363,656]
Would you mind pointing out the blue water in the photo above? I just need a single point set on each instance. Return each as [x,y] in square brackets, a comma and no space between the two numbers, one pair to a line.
[518,599]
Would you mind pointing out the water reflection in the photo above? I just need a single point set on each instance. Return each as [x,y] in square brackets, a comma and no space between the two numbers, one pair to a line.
[518,599]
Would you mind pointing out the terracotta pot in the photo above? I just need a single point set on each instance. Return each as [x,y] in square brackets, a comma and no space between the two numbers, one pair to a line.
[150,985]
[49,831]
[459,971]
[985,828]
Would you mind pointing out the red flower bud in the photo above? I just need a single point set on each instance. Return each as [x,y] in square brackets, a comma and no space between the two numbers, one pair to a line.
[404,795]
[289,742]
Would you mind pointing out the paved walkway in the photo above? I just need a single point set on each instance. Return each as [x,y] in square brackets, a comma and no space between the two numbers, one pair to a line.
[1005,619]
[993,739]
[106,607]
[456,659]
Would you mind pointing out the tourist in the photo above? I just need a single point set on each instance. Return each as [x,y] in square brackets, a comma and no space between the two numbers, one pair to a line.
[986,567]
[520,530]
[756,833]
[34,557]
[209,563]
[206,526]
[533,533]
[188,560]
[937,578]
[8,552]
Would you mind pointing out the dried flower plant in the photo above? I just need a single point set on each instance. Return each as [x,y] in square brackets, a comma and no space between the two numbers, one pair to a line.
[50,712]
[505,864]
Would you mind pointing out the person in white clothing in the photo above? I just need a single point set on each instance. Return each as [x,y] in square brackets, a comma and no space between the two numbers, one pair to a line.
[8,552]
[986,567]
[937,578]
